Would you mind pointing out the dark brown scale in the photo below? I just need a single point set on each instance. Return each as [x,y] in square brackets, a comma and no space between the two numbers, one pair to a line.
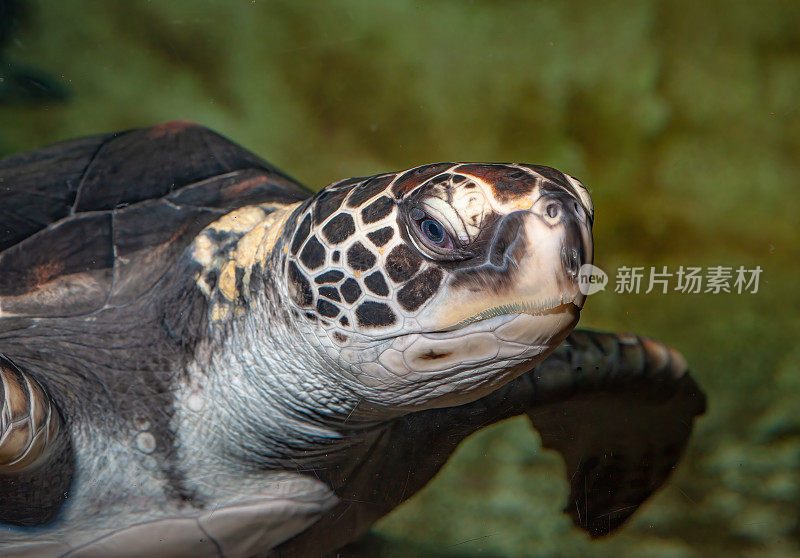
[336,256]
[374,314]
[348,183]
[381,236]
[330,292]
[333,276]
[360,258]
[301,234]
[554,175]
[327,309]
[439,179]
[507,182]
[339,229]
[301,288]
[413,178]
[377,210]
[327,204]
[313,255]
[344,321]
[376,283]
[368,190]
[350,290]
[420,289]
[402,263]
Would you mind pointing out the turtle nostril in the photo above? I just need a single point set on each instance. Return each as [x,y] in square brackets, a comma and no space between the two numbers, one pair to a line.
[553,210]
[571,260]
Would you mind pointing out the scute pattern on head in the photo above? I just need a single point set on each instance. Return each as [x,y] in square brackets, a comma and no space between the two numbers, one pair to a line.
[351,258]
[377,267]
[348,287]
[418,289]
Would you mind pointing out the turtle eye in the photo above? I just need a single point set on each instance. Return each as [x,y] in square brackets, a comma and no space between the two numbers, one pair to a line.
[433,238]
[433,230]
[433,234]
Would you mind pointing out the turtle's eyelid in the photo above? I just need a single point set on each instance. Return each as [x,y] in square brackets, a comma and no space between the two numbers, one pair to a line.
[419,214]
[455,253]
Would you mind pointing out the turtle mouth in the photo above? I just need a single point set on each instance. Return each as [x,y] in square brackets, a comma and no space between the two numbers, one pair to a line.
[542,307]
[499,338]
[495,317]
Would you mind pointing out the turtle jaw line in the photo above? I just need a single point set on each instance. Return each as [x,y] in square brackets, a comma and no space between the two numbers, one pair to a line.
[544,307]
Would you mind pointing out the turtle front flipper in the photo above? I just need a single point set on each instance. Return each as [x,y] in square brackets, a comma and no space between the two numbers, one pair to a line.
[29,422]
[619,408]
[35,454]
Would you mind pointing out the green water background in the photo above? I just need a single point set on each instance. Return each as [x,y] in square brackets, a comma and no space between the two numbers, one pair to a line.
[682,118]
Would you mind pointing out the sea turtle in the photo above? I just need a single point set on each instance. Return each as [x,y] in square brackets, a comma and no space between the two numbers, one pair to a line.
[200,358]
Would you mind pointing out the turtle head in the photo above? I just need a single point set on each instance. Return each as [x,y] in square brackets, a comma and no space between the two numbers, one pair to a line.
[435,286]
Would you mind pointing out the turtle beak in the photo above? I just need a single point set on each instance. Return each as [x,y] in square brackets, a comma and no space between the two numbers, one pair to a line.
[532,264]
[568,216]
[543,248]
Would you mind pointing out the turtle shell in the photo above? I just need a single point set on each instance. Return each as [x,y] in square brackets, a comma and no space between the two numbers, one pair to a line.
[96,221]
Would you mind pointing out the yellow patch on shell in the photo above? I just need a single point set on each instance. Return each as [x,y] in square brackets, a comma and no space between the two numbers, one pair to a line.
[239,220]
[273,228]
[255,230]
[203,250]
[248,247]
[227,281]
